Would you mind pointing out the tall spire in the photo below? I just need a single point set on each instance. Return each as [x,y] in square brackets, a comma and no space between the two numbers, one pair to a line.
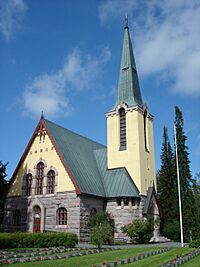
[128,85]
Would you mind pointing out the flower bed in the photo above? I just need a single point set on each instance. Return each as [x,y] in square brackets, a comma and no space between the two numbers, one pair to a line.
[12,256]
[132,259]
[182,259]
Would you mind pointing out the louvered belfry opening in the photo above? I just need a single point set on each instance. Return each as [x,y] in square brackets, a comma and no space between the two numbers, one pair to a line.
[122,118]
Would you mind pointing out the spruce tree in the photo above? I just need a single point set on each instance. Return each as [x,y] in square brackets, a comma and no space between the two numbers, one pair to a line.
[167,191]
[186,180]
[196,207]
[3,189]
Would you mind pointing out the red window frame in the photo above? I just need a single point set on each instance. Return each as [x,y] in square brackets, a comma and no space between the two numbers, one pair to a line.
[39,179]
[62,216]
[29,179]
[51,182]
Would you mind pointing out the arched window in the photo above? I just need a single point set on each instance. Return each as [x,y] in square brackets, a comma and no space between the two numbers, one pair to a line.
[36,219]
[62,216]
[50,182]
[122,118]
[16,217]
[29,179]
[145,129]
[39,178]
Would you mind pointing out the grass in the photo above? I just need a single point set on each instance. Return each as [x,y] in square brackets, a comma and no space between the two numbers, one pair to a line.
[157,260]
[88,260]
[97,259]
[194,262]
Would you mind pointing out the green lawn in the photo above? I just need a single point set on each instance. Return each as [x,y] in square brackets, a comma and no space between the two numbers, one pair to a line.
[157,260]
[193,263]
[88,260]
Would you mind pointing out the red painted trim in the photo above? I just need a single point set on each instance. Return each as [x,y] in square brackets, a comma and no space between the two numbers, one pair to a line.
[38,127]
[157,201]
[78,192]
[27,149]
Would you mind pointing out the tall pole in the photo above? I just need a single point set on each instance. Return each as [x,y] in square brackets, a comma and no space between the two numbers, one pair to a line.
[179,190]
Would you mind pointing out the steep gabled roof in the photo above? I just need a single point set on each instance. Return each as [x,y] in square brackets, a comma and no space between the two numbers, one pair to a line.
[117,182]
[128,85]
[77,153]
[150,194]
[86,161]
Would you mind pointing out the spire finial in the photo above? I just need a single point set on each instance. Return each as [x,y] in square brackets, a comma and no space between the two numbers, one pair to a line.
[42,115]
[126,23]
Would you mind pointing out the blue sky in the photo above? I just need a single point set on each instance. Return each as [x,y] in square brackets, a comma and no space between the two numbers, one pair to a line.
[63,57]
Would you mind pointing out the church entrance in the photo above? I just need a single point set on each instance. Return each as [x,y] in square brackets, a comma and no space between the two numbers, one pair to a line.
[36,219]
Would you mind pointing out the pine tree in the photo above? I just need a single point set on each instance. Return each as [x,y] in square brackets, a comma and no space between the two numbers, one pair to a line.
[186,180]
[167,190]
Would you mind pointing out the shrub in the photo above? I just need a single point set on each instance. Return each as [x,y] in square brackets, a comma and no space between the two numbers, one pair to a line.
[32,240]
[101,234]
[139,231]
[172,230]
[101,228]
[100,217]
[195,243]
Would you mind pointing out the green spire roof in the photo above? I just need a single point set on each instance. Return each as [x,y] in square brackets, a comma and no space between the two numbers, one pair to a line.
[128,85]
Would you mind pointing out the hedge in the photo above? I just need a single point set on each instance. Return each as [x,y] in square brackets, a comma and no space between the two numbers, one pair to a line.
[37,240]
[195,243]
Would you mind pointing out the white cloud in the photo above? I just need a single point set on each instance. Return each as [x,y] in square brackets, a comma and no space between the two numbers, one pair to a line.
[11,16]
[49,92]
[115,8]
[167,38]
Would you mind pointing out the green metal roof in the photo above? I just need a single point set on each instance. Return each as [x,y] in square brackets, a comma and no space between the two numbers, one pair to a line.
[117,182]
[87,161]
[148,200]
[128,85]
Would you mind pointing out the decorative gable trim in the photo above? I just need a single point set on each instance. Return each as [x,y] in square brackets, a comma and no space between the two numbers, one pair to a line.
[78,192]
[41,129]
[150,194]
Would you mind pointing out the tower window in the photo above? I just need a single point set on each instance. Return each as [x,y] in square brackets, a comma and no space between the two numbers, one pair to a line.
[39,179]
[51,182]
[122,116]
[28,184]
[145,129]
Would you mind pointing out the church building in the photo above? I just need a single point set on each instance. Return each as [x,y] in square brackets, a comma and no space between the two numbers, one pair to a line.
[63,178]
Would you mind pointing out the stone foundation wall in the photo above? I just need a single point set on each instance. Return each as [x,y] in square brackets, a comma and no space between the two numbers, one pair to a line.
[48,205]
[12,204]
[87,204]
[124,214]
[78,210]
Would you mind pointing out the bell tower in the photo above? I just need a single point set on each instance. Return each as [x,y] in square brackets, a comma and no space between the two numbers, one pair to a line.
[130,125]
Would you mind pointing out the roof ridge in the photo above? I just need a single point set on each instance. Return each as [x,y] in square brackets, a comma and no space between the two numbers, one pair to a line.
[84,137]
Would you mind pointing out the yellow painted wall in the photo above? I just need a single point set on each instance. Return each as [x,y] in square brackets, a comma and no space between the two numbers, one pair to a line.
[47,152]
[139,163]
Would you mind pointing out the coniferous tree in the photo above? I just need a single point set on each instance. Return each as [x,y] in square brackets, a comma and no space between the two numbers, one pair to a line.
[186,180]
[196,207]
[3,188]
[167,190]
